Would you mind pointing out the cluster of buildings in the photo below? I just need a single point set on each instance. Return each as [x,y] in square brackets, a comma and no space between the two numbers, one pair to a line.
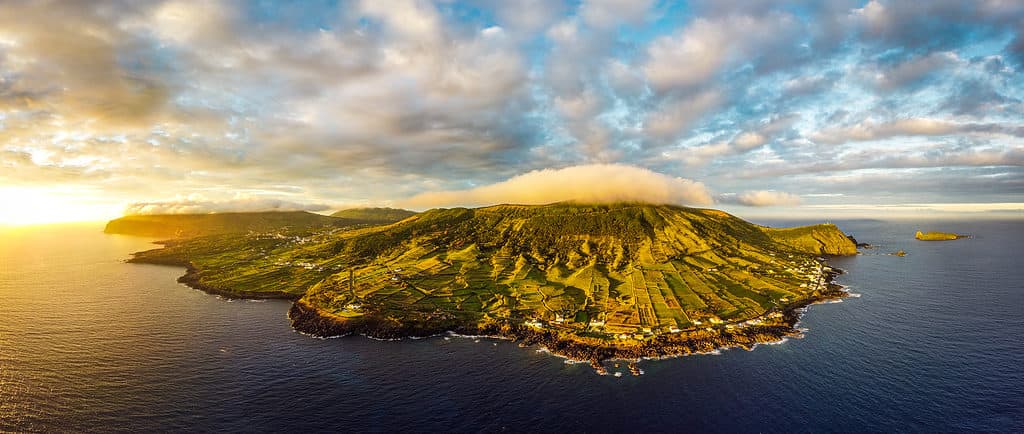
[307,265]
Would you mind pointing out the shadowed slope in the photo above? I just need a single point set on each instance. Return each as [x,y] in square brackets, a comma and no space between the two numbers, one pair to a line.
[375,215]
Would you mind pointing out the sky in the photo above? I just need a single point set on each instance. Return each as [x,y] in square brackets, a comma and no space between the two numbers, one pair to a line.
[821,109]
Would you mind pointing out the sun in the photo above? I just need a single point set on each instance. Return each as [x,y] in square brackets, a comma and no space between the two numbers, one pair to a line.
[44,205]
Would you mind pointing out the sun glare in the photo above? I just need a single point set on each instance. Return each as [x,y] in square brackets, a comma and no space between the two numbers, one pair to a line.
[31,206]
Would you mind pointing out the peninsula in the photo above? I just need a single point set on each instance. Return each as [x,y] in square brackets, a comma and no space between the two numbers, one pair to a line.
[588,282]
[196,225]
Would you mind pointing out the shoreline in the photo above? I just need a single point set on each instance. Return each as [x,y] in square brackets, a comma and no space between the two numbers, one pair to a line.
[191,279]
[310,321]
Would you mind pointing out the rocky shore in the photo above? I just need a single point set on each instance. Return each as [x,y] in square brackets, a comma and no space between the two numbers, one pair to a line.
[562,342]
[308,319]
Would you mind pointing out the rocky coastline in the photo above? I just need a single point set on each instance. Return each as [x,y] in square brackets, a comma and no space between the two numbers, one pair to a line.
[309,320]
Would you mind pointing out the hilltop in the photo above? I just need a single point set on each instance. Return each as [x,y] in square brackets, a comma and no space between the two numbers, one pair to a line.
[588,281]
[196,225]
[375,215]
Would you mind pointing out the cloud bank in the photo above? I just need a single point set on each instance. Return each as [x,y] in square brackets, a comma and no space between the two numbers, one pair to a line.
[761,198]
[592,183]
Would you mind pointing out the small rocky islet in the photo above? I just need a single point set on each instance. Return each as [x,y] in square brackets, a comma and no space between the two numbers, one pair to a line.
[938,236]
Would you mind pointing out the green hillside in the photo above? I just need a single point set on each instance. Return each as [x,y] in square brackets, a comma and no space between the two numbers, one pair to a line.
[825,239]
[630,268]
[376,215]
[194,225]
[586,273]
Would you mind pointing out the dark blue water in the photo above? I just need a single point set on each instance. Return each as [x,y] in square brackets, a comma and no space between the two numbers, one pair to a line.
[88,343]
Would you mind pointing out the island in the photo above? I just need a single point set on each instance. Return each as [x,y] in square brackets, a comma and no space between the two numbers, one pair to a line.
[937,236]
[587,282]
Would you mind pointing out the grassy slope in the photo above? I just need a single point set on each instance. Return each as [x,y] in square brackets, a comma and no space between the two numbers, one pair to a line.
[825,239]
[631,266]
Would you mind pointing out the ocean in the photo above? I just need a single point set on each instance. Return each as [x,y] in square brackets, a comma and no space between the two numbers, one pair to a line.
[933,343]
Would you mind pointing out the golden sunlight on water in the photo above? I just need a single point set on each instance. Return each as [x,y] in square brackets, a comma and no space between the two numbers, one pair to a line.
[58,295]
[29,206]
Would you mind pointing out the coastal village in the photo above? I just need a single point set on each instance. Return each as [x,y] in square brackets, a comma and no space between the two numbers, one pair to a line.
[639,327]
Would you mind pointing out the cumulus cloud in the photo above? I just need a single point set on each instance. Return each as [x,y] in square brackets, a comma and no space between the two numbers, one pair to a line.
[594,183]
[1016,46]
[757,136]
[702,49]
[911,71]
[527,16]
[698,72]
[761,198]
[195,204]
[608,13]
[77,73]
[980,97]
[675,115]
[933,25]
[577,75]
[407,91]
